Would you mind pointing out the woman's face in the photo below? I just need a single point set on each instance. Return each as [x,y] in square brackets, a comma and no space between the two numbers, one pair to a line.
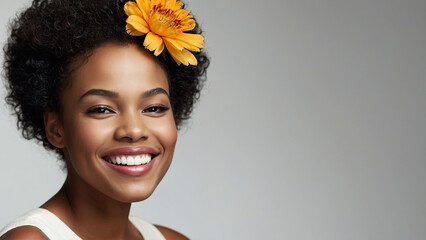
[118,128]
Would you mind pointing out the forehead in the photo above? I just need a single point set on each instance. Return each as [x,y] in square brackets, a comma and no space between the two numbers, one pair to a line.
[119,68]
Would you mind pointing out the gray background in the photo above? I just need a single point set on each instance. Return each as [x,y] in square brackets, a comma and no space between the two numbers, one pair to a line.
[311,126]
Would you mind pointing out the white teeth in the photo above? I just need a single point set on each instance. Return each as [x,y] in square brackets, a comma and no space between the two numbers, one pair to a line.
[131,160]
[146,159]
[138,160]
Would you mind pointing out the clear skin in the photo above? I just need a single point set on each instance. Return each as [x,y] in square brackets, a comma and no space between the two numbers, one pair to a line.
[95,200]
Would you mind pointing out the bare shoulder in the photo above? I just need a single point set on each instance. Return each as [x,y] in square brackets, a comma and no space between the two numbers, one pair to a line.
[24,232]
[171,234]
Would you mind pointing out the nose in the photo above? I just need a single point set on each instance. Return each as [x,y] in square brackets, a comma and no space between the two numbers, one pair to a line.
[131,128]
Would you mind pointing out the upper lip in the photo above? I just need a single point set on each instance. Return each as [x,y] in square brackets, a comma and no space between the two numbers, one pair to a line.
[130,151]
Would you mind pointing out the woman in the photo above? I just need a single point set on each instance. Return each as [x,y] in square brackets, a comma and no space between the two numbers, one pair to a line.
[104,84]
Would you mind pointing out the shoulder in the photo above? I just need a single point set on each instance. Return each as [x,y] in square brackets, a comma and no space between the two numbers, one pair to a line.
[171,234]
[24,232]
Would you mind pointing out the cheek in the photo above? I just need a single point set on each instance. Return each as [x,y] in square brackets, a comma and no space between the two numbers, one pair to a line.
[166,132]
[85,135]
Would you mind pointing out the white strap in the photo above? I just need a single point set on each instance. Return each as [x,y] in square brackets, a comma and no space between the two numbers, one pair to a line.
[55,229]
[46,221]
[148,230]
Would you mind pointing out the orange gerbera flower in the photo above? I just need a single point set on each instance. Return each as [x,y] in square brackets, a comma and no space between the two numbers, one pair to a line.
[164,22]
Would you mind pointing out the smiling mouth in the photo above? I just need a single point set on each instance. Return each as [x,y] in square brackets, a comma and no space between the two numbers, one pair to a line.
[133,160]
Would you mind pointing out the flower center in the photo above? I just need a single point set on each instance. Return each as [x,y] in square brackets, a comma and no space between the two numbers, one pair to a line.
[166,17]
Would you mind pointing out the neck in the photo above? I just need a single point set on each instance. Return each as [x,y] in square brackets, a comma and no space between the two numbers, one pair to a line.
[89,213]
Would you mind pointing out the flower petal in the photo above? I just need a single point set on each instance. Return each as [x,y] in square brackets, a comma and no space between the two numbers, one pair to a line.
[174,42]
[185,45]
[154,42]
[131,8]
[178,5]
[190,57]
[188,25]
[144,6]
[132,31]
[177,55]
[182,14]
[159,49]
[195,40]
[172,4]
[138,23]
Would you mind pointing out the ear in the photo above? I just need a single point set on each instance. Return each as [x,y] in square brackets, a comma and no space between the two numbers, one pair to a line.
[53,128]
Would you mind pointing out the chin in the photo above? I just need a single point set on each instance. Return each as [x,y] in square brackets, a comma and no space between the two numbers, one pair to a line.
[135,193]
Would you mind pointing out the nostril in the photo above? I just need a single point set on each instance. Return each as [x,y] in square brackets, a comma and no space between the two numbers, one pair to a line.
[130,133]
[133,139]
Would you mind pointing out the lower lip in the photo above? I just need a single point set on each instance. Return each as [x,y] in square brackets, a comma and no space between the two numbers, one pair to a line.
[136,170]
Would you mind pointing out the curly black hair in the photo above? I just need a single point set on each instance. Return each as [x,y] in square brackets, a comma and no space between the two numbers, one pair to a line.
[51,35]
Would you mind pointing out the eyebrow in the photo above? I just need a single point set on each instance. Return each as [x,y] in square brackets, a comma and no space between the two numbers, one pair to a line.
[112,94]
[99,92]
[154,91]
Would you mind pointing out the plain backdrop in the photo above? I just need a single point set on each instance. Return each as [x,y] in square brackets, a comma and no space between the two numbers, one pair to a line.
[312,125]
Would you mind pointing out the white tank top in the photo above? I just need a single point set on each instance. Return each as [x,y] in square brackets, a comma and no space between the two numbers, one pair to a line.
[55,229]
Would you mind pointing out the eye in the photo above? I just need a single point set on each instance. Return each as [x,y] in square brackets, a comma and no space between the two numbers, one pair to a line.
[155,109]
[100,110]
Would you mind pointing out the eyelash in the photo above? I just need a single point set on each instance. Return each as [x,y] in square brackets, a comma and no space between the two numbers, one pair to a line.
[100,110]
[106,110]
[155,109]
